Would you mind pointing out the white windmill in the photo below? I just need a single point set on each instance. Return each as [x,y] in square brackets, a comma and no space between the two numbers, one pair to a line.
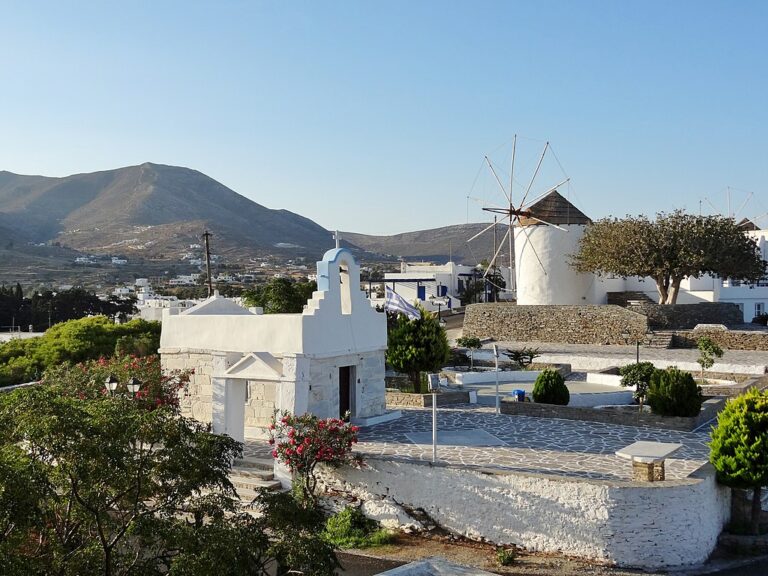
[542,234]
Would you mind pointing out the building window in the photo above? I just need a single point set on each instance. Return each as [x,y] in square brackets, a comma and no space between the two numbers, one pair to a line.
[759,308]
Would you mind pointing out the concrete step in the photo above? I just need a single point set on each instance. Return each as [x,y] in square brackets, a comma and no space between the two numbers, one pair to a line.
[253,462]
[253,483]
[259,473]
[660,340]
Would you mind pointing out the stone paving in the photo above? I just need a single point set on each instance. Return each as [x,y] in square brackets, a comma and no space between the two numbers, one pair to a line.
[534,445]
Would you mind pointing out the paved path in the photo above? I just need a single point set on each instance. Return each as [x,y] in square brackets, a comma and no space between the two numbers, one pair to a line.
[527,444]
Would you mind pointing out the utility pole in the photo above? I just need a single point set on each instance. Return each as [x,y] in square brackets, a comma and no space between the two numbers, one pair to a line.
[206,236]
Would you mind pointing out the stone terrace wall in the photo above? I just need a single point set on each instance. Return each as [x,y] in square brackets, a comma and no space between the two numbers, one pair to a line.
[686,316]
[649,525]
[709,410]
[568,324]
[726,339]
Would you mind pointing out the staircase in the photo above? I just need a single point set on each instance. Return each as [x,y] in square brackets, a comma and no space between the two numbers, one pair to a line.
[250,474]
[626,299]
[660,339]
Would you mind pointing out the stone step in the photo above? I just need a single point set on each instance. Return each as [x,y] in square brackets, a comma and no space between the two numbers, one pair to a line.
[253,483]
[253,463]
[660,340]
[259,473]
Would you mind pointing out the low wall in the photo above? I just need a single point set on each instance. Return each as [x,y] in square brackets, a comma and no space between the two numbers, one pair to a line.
[569,324]
[686,316]
[409,399]
[726,339]
[654,525]
[709,410]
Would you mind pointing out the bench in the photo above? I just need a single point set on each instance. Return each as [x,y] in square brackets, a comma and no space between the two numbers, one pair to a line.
[648,459]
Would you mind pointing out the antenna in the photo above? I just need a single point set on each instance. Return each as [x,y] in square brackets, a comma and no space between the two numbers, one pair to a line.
[207,235]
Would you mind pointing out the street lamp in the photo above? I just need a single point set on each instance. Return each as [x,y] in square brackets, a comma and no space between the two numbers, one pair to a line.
[111,384]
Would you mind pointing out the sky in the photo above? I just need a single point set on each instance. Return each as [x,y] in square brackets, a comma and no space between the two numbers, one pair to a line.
[375,117]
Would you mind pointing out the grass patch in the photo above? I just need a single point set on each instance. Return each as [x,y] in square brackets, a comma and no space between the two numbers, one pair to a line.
[350,528]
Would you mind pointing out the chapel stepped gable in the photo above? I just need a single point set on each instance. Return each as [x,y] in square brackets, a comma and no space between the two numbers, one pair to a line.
[554,209]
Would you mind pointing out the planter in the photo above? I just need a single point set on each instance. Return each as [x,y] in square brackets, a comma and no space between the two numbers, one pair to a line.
[411,400]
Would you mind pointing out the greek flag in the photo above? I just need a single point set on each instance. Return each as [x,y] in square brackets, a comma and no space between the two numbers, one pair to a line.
[396,303]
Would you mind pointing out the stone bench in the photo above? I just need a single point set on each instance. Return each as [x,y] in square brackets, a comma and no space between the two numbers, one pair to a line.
[648,459]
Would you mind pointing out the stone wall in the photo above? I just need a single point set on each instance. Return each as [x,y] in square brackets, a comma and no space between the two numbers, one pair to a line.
[411,400]
[709,410]
[197,400]
[569,324]
[686,316]
[368,385]
[649,525]
[726,339]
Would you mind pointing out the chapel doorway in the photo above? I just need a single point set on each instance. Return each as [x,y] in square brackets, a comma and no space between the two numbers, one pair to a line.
[346,390]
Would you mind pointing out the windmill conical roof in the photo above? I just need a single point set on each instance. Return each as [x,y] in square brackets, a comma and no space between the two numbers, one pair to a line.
[747,224]
[554,209]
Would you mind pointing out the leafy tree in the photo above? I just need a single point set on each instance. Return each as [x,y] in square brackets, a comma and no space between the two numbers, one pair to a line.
[74,341]
[708,350]
[668,249]
[280,296]
[104,486]
[471,343]
[638,375]
[417,345]
[473,289]
[523,357]
[739,447]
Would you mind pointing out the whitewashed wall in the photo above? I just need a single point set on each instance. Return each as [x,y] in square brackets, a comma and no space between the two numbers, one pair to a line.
[654,525]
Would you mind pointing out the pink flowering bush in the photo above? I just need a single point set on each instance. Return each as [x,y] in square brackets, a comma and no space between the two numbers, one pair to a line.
[303,442]
[86,380]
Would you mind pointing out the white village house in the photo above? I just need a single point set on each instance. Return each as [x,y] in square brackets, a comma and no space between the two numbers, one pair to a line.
[327,360]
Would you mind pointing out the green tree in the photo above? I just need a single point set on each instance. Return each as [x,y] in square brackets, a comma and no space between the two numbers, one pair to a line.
[280,296]
[471,343]
[638,375]
[104,486]
[708,351]
[668,249]
[417,345]
[739,447]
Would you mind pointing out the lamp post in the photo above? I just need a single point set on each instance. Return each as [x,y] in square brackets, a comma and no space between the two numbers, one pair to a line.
[111,383]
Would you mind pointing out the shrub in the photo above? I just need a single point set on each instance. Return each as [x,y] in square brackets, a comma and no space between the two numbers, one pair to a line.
[524,357]
[673,392]
[415,346]
[761,319]
[302,442]
[638,375]
[472,344]
[738,447]
[350,528]
[550,388]
[506,556]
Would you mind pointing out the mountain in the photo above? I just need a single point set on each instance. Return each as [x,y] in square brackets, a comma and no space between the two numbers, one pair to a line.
[437,244]
[153,211]
[150,210]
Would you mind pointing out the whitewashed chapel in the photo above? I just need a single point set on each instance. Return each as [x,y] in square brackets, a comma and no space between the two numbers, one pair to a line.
[326,360]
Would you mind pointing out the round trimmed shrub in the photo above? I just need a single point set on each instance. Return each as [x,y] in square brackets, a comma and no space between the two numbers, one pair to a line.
[674,393]
[550,388]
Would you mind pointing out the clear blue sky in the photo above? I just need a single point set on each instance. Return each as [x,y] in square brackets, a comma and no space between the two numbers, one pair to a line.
[375,116]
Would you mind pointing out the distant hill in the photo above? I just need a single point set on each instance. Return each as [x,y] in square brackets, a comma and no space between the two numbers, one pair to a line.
[437,244]
[152,210]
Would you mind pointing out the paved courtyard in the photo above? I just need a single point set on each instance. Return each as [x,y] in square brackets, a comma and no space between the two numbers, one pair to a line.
[478,437]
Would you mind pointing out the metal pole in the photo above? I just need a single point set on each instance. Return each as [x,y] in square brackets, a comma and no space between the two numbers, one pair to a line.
[496,357]
[207,235]
[638,352]
[434,427]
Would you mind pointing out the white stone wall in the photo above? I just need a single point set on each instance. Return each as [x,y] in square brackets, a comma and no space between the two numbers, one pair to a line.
[369,387]
[655,525]
[261,403]
[197,400]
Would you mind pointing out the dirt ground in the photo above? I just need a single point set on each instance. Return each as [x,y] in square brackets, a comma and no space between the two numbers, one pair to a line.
[409,548]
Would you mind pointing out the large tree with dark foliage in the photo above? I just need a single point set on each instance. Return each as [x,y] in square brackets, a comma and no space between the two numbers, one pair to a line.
[280,296]
[668,249]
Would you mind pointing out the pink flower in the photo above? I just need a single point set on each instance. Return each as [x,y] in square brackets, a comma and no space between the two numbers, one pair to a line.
[274,453]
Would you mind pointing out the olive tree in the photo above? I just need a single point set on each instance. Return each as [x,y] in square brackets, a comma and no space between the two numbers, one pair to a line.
[739,447]
[671,247]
